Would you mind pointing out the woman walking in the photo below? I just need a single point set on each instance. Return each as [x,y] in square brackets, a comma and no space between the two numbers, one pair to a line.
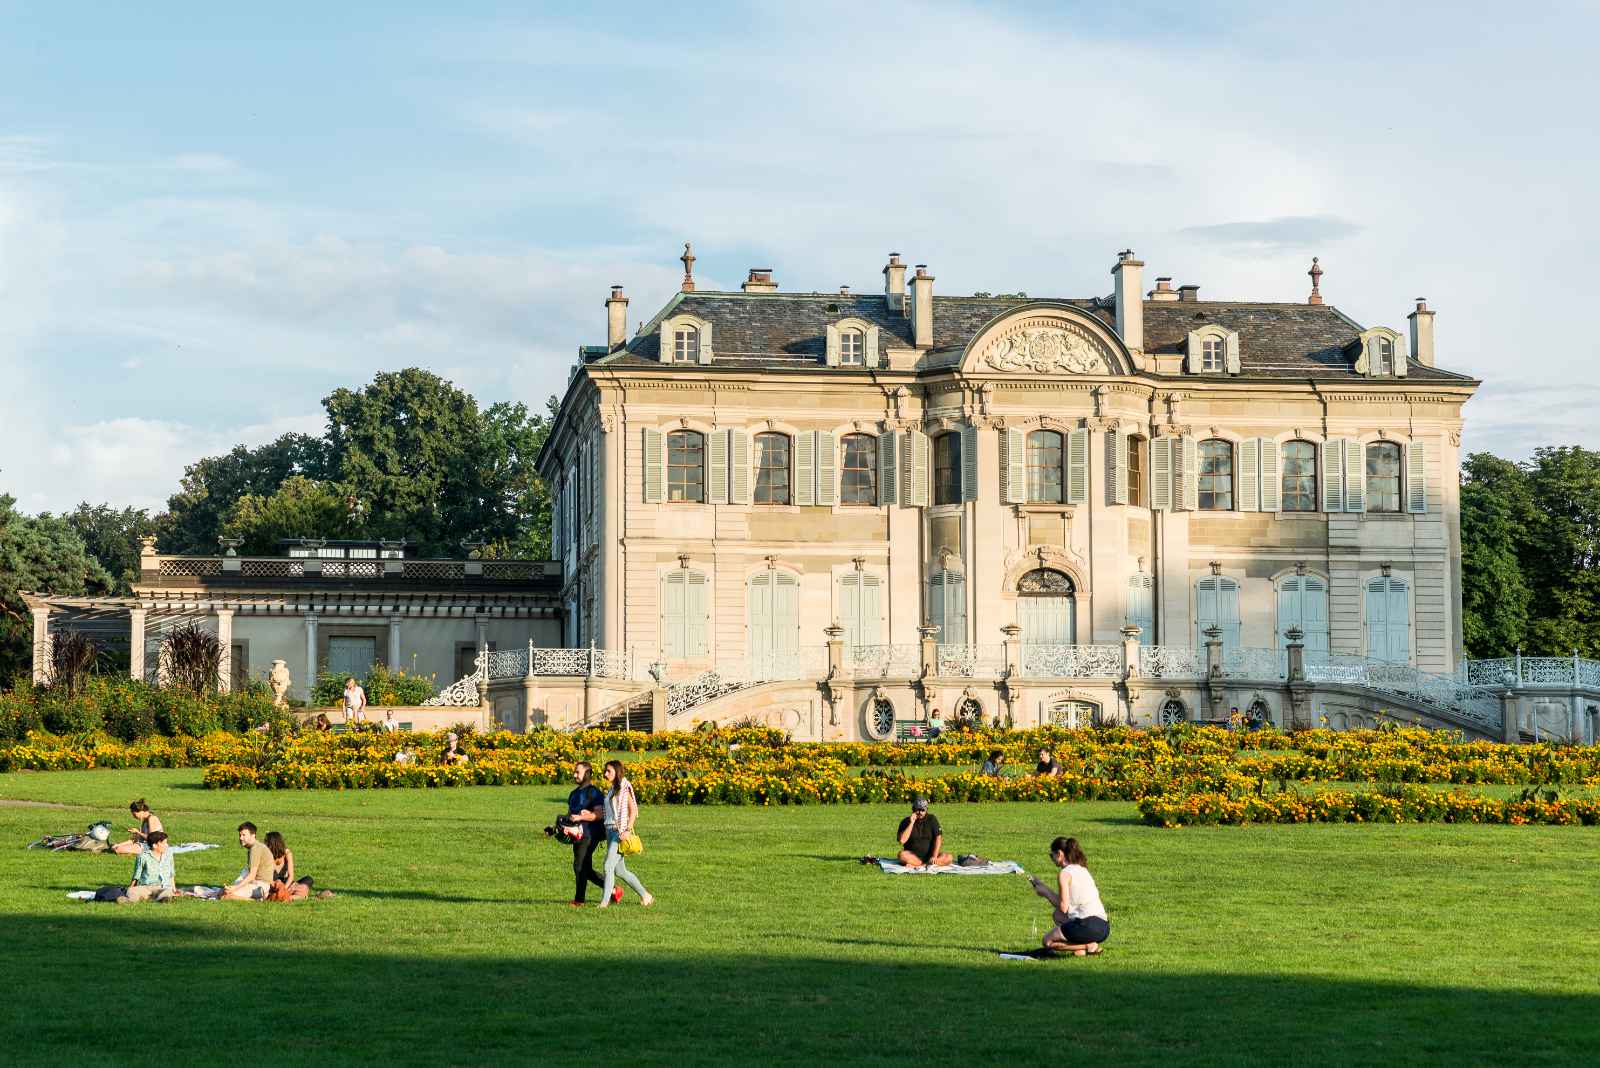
[1080,919]
[621,812]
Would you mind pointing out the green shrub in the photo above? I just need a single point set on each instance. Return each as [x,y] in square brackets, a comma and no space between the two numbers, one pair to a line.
[19,712]
[127,709]
[385,687]
[182,711]
[68,713]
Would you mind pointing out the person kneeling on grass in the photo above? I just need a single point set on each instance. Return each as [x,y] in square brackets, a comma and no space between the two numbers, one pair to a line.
[1080,917]
[153,876]
[921,838]
[255,882]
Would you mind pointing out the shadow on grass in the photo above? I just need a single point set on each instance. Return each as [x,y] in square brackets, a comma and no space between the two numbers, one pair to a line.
[449,899]
[211,988]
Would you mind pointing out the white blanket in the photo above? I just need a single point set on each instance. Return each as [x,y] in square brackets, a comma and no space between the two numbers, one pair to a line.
[994,867]
[192,847]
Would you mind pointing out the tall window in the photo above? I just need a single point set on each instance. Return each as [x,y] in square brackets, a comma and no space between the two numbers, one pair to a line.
[1299,476]
[1216,603]
[859,484]
[1382,356]
[774,615]
[1213,354]
[683,614]
[1303,603]
[1383,477]
[686,345]
[772,469]
[1216,475]
[853,348]
[947,469]
[947,606]
[1142,606]
[1137,447]
[1044,467]
[686,466]
[1388,620]
[1045,608]
[860,608]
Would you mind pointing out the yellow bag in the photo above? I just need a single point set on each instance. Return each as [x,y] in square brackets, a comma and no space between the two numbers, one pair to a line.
[629,844]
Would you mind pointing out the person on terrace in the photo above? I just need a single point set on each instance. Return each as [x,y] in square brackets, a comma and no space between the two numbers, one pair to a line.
[1081,926]
[1048,765]
[153,877]
[355,702]
[149,823]
[921,838]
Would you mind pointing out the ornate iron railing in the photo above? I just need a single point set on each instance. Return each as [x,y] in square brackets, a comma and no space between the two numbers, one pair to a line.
[1443,693]
[465,691]
[1534,672]
[883,661]
[1254,664]
[1172,662]
[363,568]
[811,663]
[590,663]
[971,661]
[1071,661]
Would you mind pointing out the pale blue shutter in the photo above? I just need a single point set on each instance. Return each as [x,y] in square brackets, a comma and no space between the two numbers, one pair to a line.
[759,594]
[1416,478]
[1014,466]
[827,472]
[785,619]
[1333,475]
[695,614]
[1314,614]
[1271,488]
[1250,475]
[850,608]
[1141,606]
[969,463]
[655,466]
[672,616]
[871,610]
[1388,620]
[1355,476]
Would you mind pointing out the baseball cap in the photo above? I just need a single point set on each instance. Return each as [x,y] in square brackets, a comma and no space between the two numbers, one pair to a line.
[919,804]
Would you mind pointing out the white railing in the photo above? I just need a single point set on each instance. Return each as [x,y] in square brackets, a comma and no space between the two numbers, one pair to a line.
[1254,664]
[590,663]
[811,663]
[1172,662]
[883,661]
[464,692]
[1534,672]
[1473,703]
[1071,661]
[971,661]
[311,567]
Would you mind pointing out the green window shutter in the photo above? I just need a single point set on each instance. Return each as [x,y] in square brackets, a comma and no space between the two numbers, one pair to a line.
[717,456]
[1014,465]
[1250,475]
[1117,465]
[888,467]
[805,468]
[1189,474]
[827,472]
[655,466]
[832,357]
[1333,475]
[1416,477]
[1231,352]
[1078,466]
[1271,488]
[969,463]
[738,467]
[1355,476]
[874,359]
[1160,474]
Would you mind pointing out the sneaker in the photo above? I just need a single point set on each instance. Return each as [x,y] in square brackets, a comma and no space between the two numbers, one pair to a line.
[616,895]
[576,904]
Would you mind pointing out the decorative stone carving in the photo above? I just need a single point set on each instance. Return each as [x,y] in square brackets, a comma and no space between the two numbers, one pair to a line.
[1455,437]
[1044,345]
[278,679]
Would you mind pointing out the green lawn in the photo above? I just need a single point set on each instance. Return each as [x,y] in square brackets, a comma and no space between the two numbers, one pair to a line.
[450,941]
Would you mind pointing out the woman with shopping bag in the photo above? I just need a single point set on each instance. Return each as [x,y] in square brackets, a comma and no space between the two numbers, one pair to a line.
[622,812]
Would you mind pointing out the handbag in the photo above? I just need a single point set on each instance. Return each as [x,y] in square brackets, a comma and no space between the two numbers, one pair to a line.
[630,844]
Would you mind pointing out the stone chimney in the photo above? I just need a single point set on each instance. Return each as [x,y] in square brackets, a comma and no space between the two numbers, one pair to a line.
[1128,276]
[922,307]
[1190,292]
[616,319]
[1163,289]
[1422,333]
[760,281]
[894,284]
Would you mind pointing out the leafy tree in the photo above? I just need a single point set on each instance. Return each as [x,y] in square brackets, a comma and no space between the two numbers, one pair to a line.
[112,537]
[1495,508]
[300,508]
[211,486]
[41,554]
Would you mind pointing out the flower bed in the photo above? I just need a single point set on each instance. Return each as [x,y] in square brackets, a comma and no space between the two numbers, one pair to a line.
[1411,804]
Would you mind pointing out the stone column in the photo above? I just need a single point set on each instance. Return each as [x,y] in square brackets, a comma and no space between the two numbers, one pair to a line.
[1130,669]
[225,645]
[1214,689]
[394,643]
[311,655]
[42,646]
[136,619]
[1510,729]
[929,635]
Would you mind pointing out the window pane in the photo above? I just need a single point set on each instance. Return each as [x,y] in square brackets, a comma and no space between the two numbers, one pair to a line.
[852,348]
[772,469]
[1136,447]
[859,485]
[1211,354]
[686,345]
[1044,467]
[1216,475]
[1299,476]
[685,466]
[947,469]
[1383,477]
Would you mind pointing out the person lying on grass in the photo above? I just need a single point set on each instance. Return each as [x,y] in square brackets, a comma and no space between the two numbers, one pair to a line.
[148,824]
[921,838]
[1080,917]
[255,882]
[153,876]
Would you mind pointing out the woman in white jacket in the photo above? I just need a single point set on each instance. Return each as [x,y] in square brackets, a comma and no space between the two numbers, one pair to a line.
[622,811]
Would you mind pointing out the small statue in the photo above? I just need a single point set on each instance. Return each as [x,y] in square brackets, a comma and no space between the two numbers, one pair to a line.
[278,679]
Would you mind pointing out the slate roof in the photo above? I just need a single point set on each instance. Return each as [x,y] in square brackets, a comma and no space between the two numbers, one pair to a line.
[777,331]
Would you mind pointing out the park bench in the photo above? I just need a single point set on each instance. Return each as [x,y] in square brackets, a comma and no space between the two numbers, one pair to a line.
[903,728]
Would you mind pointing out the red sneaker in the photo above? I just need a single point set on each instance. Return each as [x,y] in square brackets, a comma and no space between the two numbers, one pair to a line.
[576,904]
[616,895]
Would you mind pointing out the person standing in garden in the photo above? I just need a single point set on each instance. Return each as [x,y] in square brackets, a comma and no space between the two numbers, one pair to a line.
[621,812]
[587,807]
[1081,926]
[355,702]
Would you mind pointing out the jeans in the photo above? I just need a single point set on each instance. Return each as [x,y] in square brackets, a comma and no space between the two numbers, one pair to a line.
[617,867]
[583,865]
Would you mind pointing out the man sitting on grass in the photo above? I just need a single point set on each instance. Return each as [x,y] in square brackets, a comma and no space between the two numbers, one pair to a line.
[921,838]
[152,872]
[256,881]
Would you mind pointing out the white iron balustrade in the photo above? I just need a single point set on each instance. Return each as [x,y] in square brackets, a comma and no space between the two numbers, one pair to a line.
[971,661]
[883,661]
[1172,662]
[1473,703]
[464,692]
[1254,664]
[1072,661]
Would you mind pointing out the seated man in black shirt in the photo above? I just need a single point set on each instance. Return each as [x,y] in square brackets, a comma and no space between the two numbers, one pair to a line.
[921,839]
[1049,766]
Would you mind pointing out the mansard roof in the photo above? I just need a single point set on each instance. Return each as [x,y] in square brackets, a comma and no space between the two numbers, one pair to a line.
[778,331]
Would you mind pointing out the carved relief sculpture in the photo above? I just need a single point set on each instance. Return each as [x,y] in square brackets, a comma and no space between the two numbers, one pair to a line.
[1043,346]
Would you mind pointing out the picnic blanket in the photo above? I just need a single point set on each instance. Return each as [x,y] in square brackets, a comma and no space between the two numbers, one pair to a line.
[211,893]
[994,867]
[192,847]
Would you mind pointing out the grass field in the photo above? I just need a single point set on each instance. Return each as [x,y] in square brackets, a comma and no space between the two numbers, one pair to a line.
[450,940]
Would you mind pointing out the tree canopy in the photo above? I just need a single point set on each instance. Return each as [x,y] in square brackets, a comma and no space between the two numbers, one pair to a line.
[40,554]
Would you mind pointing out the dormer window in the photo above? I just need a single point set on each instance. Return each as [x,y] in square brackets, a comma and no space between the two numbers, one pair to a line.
[1213,354]
[1382,356]
[1212,350]
[686,345]
[852,342]
[852,348]
[1379,353]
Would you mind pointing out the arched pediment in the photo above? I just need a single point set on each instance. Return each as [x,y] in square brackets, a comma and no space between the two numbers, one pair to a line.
[1046,339]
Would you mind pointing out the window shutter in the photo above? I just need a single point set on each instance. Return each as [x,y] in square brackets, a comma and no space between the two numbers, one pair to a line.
[597,469]
[672,615]
[1250,475]
[1078,466]
[1160,474]
[717,455]
[827,473]
[1117,465]
[888,467]
[1141,606]
[1399,358]
[914,470]
[1191,362]
[873,359]
[555,525]
[832,357]
[1355,476]
[1314,614]
[1416,477]
[739,467]
[1271,488]
[1189,473]
[785,617]
[850,607]
[969,463]
[871,610]
[1229,598]
[705,342]
[1333,475]
[655,466]
[1014,465]
[1231,351]
[695,618]
[1397,615]
[805,468]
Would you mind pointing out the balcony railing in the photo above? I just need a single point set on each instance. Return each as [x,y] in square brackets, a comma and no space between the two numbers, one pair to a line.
[971,661]
[311,567]
[590,663]
[1534,672]
[883,661]
[1474,703]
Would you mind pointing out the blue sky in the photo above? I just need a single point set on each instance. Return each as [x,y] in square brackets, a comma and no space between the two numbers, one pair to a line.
[211,218]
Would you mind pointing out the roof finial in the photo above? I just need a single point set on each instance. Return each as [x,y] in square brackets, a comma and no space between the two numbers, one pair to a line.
[688,268]
[1316,283]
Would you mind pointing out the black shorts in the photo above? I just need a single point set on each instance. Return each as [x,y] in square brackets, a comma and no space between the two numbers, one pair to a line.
[1086,929]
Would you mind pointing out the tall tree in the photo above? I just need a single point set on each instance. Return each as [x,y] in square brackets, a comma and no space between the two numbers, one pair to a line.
[300,508]
[112,537]
[1496,506]
[211,485]
[40,554]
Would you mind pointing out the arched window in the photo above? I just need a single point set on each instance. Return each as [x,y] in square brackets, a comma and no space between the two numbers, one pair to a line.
[772,469]
[1216,603]
[1142,607]
[1383,477]
[1389,620]
[1137,451]
[860,608]
[947,469]
[1259,713]
[1216,475]
[1299,476]
[1173,712]
[852,348]
[947,605]
[1303,603]
[683,614]
[686,345]
[686,466]
[1213,354]
[774,614]
[859,481]
[1382,356]
[1071,713]
[1044,467]
[1045,608]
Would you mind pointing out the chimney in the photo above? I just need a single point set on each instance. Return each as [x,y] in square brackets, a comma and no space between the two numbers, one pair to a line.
[1422,333]
[1129,278]
[760,281]
[1190,293]
[1163,289]
[894,284]
[844,291]
[922,307]
[616,319]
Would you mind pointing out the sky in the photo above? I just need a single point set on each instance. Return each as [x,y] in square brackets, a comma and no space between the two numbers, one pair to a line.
[211,217]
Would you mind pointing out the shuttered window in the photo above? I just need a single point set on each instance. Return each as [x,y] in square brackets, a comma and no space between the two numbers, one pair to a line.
[1383,477]
[1046,467]
[1217,604]
[947,605]
[947,469]
[860,477]
[774,614]
[1216,475]
[683,614]
[686,466]
[1299,476]
[1134,449]
[1388,620]
[772,469]
[686,345]
[1142,606]
[860,608]
[1303,603]
[852,348]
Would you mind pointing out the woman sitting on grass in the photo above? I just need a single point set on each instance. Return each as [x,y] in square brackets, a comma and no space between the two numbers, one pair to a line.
[149,824]
[1080,917]
[453,753]
[283,869]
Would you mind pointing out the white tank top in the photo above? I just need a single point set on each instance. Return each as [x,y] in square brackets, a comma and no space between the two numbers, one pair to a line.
[1084,894]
